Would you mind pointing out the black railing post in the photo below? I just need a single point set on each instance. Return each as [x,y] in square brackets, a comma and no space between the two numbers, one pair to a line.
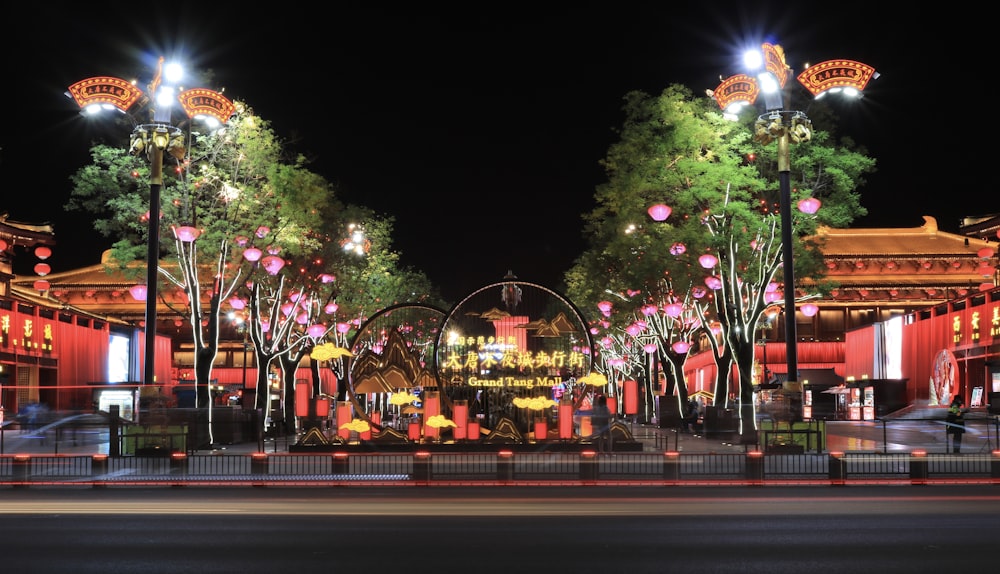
[98,468]
[505,465]
[838,468]
[422,466]
[918,467]
[671,465]
[755,466]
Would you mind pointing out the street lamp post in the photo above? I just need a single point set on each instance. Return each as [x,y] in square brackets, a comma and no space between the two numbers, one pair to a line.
[158,136]
[106,92]
[787,127]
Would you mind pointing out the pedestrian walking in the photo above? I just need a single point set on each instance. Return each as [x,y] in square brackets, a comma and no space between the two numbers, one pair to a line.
[956,422]
[600,420]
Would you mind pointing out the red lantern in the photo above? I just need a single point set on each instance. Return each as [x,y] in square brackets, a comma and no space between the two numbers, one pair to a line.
[41,285]
[138,292]
[42,269]
[272,264]
[809,205]
[42,252]
[186,233]
[252,254]
[659,212]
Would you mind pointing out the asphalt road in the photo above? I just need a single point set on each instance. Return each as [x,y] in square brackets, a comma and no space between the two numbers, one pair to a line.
[583,529]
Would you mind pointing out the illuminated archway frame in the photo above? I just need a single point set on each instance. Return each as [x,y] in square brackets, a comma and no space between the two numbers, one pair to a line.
[417,325]
[520,350]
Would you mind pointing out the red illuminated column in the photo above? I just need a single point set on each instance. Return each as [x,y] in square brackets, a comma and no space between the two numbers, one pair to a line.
[472,430]
[541,429]
[343,418]
[631,398]
[322,407]
[374,419]
[461,417]
[413,430]
[613,405]
[566,419]
[432,406]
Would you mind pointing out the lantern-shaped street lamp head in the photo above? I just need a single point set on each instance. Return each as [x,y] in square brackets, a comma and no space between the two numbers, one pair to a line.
[845,76]
[681,347]
[735,93]
[708,260]
[316,331]
[771,71]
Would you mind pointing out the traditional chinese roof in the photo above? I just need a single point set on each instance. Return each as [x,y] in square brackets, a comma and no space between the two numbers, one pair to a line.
[918,263]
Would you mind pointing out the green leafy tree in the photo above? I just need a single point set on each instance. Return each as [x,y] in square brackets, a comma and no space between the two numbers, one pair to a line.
[235,186]
[722,187]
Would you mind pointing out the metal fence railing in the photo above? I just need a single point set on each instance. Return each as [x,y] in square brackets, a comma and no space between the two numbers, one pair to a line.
[506,466]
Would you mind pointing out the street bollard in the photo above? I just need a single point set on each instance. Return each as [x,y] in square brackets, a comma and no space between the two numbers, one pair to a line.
[258,468]
[422,466]
[918,467]
[98,469]
[340,463]
[838,468]
[588,465]
[672,465]
[505,465]
[21,466]
[258,463]
[755,467]
[178,467]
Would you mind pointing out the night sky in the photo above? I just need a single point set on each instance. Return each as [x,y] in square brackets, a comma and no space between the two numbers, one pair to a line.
[479,128]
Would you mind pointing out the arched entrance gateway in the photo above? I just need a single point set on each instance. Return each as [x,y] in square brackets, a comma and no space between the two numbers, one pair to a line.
[500,367]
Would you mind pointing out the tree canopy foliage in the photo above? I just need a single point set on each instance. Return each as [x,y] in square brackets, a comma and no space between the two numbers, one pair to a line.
[722,187]
[238,188]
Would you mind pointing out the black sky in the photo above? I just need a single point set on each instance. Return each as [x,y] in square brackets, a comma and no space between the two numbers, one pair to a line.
[480,127]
